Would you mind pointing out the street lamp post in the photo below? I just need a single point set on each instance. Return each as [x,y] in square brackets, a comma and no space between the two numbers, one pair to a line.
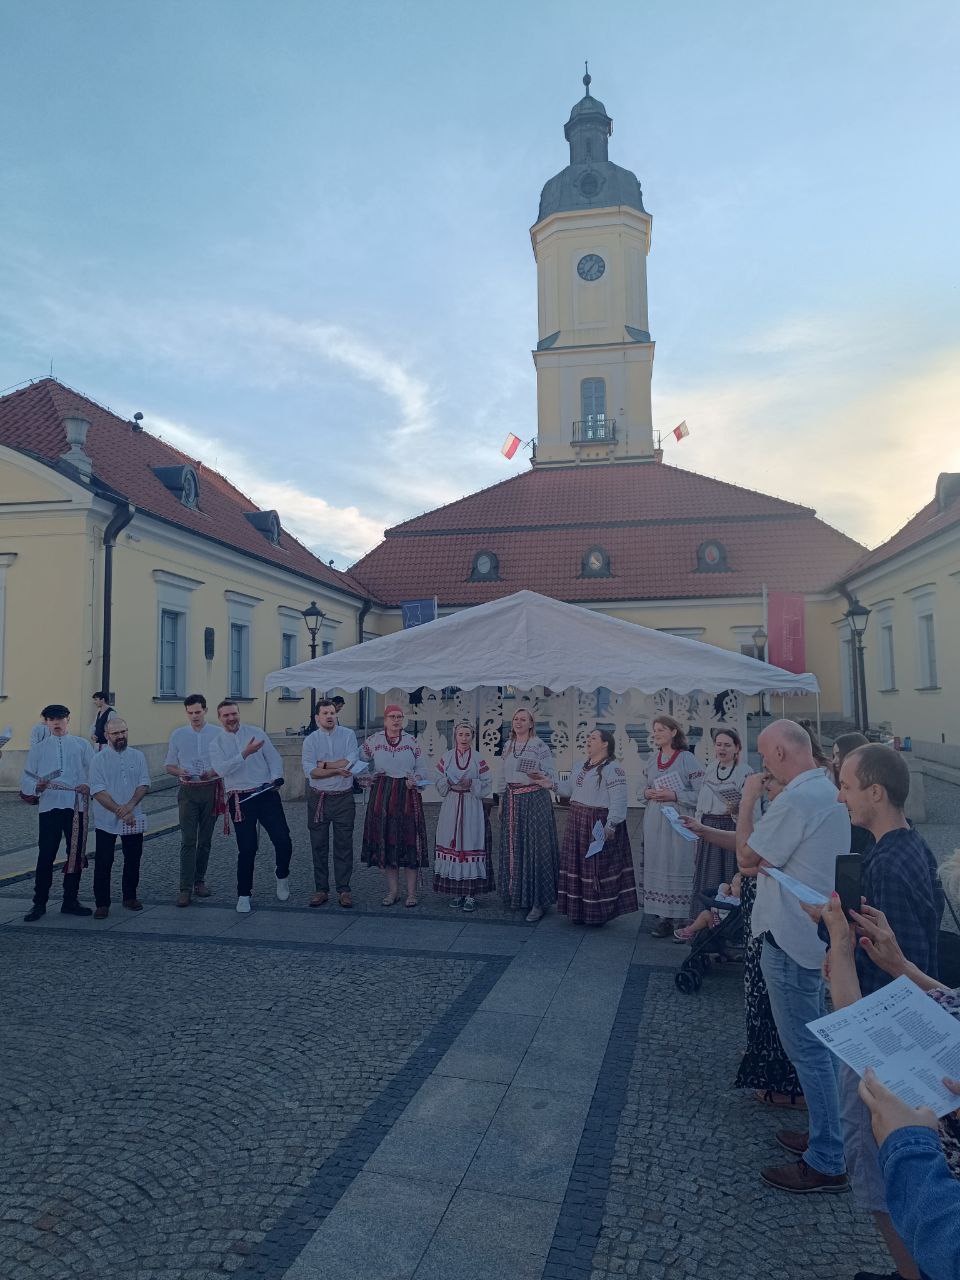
[759,650]
[313,617]
[857,616]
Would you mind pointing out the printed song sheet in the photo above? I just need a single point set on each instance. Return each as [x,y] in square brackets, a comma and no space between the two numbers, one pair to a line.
[794,886]
[597,843]
[673,817]
[908,1039]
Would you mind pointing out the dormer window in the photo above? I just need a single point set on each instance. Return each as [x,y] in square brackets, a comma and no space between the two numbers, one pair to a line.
[486,567]
[712,557]
[268,523]
[182,482]
[595,563]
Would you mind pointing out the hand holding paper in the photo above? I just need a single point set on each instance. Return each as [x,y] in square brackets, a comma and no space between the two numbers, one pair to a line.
[676,822]
[598,841]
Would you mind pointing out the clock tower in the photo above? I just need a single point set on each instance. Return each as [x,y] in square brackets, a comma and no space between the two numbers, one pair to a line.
[594,357]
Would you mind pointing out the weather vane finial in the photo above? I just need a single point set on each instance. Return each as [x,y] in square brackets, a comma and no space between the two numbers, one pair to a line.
[587,79]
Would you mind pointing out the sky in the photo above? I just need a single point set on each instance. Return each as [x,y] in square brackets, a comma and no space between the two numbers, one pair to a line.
[295,236]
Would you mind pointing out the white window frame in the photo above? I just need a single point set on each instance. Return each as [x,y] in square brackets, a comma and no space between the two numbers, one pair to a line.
[6,560]
[886,652]
[174,596]
[925,639]
[240,609]
[291,623]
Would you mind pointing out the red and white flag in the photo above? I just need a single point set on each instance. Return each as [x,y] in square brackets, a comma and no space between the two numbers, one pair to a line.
[510,446]
[681,431]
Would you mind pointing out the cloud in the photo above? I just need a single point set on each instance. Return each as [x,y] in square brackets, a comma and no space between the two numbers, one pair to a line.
[867,460]
[343,533]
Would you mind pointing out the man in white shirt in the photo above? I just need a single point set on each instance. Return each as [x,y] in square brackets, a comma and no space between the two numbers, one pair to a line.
[55,779]
[802,833]
[250,766]
[119,779]
[199,798]
[328,753]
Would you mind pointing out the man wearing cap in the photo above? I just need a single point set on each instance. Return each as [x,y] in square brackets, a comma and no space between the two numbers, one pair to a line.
[328,754]
[55,779]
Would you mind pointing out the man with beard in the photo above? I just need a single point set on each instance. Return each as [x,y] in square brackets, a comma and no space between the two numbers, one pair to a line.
[119,779]
[55,779]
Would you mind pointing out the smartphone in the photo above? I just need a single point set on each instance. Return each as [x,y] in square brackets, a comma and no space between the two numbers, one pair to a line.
[847,881]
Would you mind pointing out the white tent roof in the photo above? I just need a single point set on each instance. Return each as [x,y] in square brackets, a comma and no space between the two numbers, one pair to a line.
[529,640]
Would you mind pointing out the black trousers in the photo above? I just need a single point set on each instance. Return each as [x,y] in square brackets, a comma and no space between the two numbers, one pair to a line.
[338,810]
[265,810]
[132,846]
[56,825]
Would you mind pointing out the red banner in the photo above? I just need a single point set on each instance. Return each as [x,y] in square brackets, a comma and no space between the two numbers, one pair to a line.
[785,629]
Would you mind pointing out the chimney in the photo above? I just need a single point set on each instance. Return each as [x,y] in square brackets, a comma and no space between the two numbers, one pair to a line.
[75,429]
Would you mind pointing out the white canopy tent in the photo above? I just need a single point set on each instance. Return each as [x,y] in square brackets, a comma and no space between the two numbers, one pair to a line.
[527,640]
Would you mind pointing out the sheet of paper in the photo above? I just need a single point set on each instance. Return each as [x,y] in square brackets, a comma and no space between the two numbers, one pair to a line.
[136,826]
[908,1039]
[267,786]
[358,767]
[672,781]
[796,887]
[597,843]
[673,817]
[728,794]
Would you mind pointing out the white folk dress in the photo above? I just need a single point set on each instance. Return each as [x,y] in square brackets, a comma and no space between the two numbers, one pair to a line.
[668,859]
[463,865]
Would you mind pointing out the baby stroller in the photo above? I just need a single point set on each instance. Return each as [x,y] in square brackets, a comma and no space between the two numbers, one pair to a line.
[714,942]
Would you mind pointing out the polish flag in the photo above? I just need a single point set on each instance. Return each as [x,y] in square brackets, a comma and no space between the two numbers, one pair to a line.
[510,446]
[681,431]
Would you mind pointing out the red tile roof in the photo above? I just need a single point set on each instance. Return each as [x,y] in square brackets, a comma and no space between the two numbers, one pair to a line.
[31,421]
[650,519]
[936,517]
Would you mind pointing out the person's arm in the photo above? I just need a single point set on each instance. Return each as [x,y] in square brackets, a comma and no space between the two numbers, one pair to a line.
[225,756]
[170,763]
[748,861]
[725,839]
[271,757]
[441,781]
[351,750]
[841,968]
[616,784]
[879,942]
[420,773]
[483,785]
[692,773]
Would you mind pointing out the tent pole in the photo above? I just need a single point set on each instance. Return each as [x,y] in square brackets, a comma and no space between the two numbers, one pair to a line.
[819,737]
[266,695]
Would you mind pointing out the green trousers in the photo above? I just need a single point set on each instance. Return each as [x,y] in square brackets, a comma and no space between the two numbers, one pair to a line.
[197,820]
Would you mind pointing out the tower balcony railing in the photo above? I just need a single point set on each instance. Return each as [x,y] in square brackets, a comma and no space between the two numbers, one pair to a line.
[598,429]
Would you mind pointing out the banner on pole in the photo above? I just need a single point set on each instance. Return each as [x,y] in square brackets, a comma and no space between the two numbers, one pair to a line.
[785,628]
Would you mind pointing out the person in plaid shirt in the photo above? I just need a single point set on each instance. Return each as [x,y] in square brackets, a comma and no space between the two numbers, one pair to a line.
[898,877]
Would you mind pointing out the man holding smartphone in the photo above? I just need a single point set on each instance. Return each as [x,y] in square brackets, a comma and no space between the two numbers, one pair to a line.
[898,876]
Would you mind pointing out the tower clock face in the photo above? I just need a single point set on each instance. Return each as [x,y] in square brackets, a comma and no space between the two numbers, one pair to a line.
[591,267]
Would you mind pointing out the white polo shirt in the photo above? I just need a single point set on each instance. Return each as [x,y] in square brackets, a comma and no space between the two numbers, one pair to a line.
[803,833]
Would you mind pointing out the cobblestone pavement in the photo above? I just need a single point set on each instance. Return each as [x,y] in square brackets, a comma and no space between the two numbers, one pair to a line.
[18,821]
[166,1102]
[684,1194]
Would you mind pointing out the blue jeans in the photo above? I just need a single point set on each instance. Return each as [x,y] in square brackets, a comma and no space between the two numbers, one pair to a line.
[924,1200]
[797,996]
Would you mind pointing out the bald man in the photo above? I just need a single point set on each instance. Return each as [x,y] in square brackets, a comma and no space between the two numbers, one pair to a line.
[119,779]
[802,833]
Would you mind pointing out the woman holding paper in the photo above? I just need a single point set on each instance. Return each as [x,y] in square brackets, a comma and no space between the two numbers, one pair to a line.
[673,776]
[394,832]
[463,868]
[717,806]
[595,888]
[529,853]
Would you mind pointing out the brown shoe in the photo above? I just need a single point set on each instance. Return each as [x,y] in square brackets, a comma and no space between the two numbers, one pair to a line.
[101,913]
[201,891]
[793,1140]
[344,898]
[133,904]
[319,899]
[799,1177]
[183,898]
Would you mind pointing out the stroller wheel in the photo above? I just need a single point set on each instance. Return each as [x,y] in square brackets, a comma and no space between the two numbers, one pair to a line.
[686,982]
[697,979]
[699,965]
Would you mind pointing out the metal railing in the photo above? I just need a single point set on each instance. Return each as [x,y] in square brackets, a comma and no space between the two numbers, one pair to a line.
[596,430]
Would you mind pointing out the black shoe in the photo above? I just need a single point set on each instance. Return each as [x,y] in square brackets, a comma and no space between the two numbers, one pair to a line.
[36,912]
[75,909]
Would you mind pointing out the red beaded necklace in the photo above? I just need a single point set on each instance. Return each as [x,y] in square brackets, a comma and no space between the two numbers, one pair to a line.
[660,764]
[462,764]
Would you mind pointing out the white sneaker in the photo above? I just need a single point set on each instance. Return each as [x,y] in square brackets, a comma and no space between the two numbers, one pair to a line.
[534,914]
[469,904]
[283,889]
[243,906]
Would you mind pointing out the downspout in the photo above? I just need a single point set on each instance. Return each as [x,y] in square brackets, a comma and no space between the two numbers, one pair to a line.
[361,618]
[118,522]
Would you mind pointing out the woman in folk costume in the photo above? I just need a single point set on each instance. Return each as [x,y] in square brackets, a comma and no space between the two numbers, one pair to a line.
[394,832]
[529,854]
[673,776]
[593,890]
[717,807]
[463,867]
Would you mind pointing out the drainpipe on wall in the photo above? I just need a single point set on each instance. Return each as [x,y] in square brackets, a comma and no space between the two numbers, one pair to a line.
[361,618]
[124,513]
